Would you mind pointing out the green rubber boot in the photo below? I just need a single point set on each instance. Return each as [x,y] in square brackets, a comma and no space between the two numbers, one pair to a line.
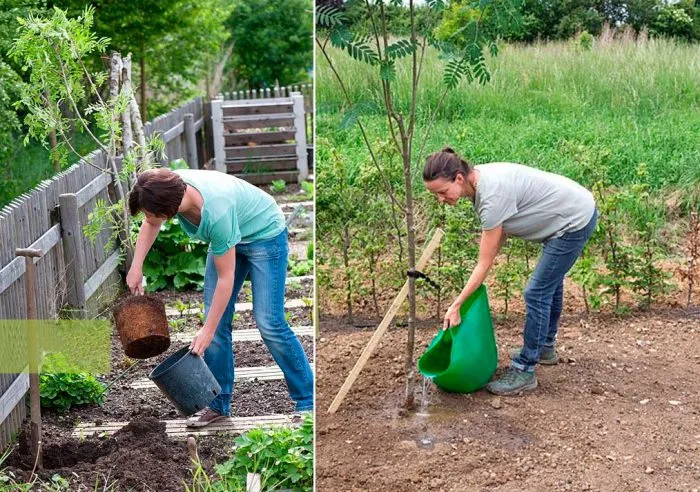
[463,358]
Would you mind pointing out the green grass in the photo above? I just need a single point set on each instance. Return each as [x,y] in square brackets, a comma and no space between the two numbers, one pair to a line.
[632,102]
[31,164]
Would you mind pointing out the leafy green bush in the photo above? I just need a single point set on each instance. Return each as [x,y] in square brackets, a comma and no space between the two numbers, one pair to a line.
[62,388]
[308,188]
[585,40]
[175,261]
[283,456]
[278,186]
[298,268]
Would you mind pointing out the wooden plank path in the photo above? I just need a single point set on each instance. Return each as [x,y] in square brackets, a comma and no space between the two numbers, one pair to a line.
[240,374]
[241,307]
[177,428]
[249,335]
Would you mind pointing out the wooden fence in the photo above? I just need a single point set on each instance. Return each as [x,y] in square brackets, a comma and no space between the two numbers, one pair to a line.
[261,140]
[73,271]
[306,90]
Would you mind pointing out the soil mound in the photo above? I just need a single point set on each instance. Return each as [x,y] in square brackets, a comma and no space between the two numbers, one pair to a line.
[139,456]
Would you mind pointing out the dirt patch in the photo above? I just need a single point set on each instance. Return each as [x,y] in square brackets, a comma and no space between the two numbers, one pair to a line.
[139,456]
[304,288]
[254,354]
[620,412]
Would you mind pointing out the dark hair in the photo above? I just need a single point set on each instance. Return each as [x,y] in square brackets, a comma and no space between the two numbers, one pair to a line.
[445,164]
[158,191]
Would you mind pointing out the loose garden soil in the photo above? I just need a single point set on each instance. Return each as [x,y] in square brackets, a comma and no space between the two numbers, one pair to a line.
[621,412]
[140,456]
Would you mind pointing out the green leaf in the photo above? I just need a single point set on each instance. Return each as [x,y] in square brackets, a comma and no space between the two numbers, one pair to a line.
[388,71]
[340,36]
[360,50]
[328,16]
[436,4]
[454,71]
[401,48]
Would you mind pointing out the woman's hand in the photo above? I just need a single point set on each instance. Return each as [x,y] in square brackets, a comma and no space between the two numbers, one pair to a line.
[201,341]
[452,317]
[134,280]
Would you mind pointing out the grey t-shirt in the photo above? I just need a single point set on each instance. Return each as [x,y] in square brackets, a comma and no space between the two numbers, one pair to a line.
[530,204]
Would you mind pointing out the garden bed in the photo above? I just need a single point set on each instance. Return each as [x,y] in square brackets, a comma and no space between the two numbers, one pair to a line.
[620,412]
[140,457]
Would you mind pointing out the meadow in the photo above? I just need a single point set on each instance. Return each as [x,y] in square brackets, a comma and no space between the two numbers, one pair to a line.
[622,118]
[629,102]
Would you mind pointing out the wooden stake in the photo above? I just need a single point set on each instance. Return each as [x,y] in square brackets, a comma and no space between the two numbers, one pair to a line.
[381,329]
[32,314]
[252,482]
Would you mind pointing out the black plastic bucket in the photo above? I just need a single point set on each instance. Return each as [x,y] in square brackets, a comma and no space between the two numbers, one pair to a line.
[186,380]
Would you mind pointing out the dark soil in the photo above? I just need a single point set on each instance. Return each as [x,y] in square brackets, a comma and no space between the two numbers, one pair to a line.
[251,354]
[621,412]
[140,456]
[299,317]
[169,297]
[155,463]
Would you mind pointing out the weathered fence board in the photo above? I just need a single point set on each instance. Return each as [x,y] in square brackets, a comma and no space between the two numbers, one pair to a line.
[259,138]
[265,153]
[51,217]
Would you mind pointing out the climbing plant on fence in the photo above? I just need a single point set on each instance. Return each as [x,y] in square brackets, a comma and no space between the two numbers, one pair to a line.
[55,50]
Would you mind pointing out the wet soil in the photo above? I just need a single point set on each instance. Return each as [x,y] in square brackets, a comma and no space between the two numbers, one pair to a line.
[621,412]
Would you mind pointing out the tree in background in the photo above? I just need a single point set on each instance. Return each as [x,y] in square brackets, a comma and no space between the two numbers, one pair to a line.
[273,42]
[562,19]
[466,59]
[171,43]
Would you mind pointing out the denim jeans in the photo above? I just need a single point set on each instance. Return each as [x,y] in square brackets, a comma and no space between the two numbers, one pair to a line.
[544,293]
[265,261]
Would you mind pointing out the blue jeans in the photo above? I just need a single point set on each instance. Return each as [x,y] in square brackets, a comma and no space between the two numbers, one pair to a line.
[544,293]
[266,263]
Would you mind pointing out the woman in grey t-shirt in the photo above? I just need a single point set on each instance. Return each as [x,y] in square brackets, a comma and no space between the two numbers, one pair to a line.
[520,201]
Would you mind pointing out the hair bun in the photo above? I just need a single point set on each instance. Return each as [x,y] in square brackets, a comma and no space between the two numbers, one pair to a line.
[449,150]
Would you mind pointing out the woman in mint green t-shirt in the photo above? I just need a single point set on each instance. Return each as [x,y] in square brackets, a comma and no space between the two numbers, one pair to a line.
[247,237]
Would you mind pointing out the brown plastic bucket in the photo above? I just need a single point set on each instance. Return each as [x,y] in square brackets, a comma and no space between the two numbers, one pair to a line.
[142,326]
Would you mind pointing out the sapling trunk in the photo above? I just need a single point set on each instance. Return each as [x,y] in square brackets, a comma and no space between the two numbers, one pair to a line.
[348,279]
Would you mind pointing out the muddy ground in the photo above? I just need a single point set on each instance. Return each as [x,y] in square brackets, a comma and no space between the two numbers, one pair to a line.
[621,412]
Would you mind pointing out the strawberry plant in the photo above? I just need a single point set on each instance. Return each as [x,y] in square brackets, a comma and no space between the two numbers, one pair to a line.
[283,456]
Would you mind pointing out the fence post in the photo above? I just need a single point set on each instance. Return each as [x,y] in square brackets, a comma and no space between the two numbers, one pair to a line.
[73,252]
[217,127]
[300,136]
[191,141]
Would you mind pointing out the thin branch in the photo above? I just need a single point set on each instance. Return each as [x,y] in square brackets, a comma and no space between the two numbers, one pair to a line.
[443,95]
[414,76]
[362,129]
[73,103]
[388,100]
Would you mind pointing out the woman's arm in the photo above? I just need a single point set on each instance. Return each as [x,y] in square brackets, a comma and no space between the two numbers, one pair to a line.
[225,270]
[491,242]
[150,227]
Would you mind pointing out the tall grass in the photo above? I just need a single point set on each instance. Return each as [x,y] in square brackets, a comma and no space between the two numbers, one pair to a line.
[30,164]
[629,102]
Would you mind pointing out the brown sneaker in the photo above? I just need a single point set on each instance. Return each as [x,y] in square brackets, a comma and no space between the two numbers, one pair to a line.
[208,416]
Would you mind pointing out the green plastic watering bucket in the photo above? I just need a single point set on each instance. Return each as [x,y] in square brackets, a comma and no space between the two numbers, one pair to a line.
[463,358]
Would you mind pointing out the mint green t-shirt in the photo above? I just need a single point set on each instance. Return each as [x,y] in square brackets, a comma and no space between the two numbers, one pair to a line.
[234,211]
